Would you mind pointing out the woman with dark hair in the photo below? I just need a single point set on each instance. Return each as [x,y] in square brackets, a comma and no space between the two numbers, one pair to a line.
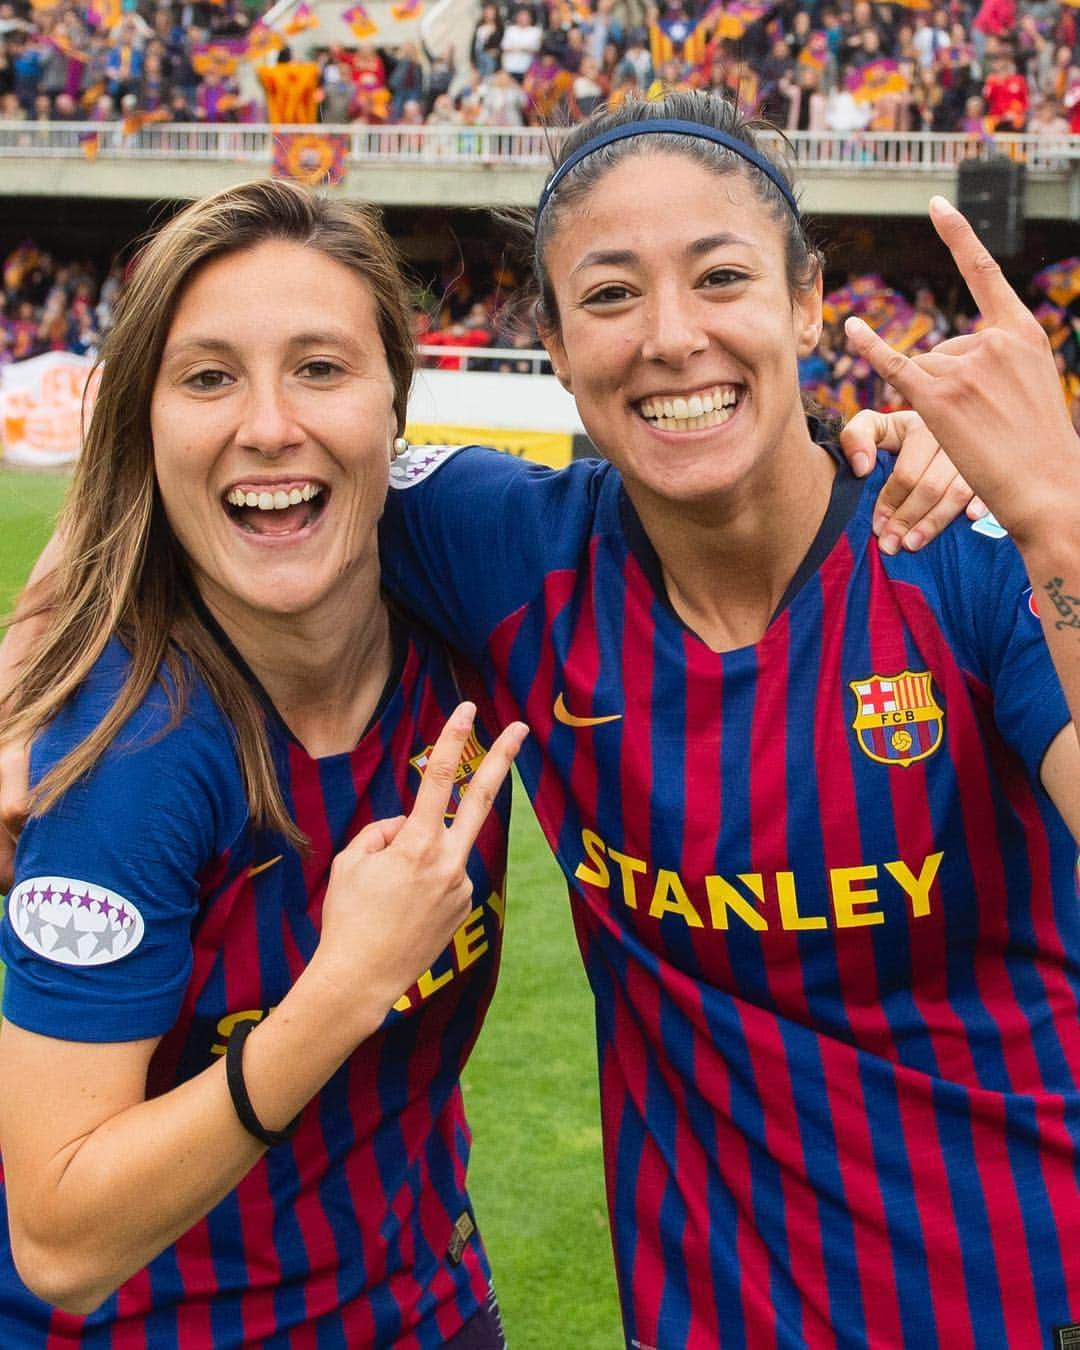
[812,799]
[229,1066]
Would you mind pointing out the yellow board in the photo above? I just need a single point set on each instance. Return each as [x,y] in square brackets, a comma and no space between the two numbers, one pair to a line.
[553,448]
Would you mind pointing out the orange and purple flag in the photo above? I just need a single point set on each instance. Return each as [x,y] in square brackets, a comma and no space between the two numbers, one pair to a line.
[360,21]
[314,158]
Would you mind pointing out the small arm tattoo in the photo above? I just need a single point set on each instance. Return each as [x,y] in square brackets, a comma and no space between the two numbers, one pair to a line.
[1068,606]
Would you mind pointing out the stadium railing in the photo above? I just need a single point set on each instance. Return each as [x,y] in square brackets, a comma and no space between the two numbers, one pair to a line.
[505,147]
[472,357]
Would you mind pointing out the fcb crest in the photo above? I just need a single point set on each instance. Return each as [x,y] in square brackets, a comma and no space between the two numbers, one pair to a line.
[472,756]
[897,718]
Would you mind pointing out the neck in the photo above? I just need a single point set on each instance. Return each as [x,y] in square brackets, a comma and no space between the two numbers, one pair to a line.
[325,671]
[728,561]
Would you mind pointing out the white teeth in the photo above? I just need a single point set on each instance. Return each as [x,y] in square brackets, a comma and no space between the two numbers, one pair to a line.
[278,500]
[693,413]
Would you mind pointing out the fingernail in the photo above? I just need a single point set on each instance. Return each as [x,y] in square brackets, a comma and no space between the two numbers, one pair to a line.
[940,203]
[880,520]
[465,714]
[861,464]
[914,540]
[889,544]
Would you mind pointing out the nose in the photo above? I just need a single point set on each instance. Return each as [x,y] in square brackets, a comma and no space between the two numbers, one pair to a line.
[268,423]
[674,331]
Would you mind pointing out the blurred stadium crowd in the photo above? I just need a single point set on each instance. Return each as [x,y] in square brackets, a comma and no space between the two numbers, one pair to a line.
[976,66]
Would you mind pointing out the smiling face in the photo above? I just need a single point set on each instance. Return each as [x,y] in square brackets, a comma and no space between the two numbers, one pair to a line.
[271,419]
[678,334]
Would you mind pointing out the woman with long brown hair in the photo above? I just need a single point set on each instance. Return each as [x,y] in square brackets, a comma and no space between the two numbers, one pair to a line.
[229,1067]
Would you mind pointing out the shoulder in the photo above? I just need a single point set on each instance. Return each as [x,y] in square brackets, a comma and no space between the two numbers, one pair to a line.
[175,752]
[480,471]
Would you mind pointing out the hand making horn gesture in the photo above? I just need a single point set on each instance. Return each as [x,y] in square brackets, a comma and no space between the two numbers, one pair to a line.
[992,398]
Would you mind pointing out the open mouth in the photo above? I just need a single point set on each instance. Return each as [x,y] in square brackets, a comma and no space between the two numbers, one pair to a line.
[692,412]
[280,509]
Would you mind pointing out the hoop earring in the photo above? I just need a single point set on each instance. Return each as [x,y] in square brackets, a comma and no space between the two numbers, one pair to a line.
[398,446]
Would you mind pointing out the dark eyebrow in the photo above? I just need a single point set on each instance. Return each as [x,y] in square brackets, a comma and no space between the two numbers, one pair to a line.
[609,257]
[624,257]
[328,337]
[700,247]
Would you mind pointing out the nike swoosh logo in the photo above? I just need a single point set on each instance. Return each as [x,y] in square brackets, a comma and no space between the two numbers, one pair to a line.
[567,718]
[263,867]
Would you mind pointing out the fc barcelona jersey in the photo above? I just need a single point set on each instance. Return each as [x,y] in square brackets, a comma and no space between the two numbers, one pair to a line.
[828,914]
[146,905]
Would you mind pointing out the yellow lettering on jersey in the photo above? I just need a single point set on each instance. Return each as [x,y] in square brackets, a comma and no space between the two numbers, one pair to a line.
[430,983]
[670,897]
[723,896]
[597,875]
[467,946]
[854,901]
[790,918]
[917,887]
[497,903]
[850,902]
[627,867]
[225,1026]
[470,942]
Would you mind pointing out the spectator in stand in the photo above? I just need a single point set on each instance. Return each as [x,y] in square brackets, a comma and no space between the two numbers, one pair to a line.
[807,107]
[1071,100]
[637,60]
[337,90]
[486,47]
[1006,95]
[406,80]
[995,19]
[521,43]
[587,90]
[930,38]
[503,101]
[123,67]
[440,75]
[602,27]
[371,94]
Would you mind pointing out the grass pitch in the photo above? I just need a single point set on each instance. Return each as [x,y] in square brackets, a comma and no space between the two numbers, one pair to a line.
[536,1176]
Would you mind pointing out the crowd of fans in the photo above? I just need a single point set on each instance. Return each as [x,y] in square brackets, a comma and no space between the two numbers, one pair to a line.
[975,66]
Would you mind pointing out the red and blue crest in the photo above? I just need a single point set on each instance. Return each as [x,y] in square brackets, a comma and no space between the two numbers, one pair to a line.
[898,720]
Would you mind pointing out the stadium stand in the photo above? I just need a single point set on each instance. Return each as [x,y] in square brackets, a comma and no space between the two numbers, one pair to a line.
[992,74]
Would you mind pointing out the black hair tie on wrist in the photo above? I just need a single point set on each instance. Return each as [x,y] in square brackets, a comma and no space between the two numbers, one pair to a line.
[234,1076]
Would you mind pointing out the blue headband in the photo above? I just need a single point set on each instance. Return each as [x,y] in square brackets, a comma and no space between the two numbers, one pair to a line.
[656,125]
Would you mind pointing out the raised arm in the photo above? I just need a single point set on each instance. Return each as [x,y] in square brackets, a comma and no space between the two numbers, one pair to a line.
[101,1180]
[994,399]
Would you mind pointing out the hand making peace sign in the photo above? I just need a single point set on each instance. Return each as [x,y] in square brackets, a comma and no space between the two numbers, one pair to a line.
[400,889]
[992,398]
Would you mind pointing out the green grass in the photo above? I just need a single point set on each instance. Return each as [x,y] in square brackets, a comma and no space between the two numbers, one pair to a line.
[530,1087]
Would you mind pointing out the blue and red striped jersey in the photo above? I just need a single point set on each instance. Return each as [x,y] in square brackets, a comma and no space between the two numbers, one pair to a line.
[827,911]
[147,905]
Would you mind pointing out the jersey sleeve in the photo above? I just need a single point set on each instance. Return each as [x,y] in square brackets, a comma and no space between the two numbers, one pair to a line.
[1000,622]
[470,533]
[96,936]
